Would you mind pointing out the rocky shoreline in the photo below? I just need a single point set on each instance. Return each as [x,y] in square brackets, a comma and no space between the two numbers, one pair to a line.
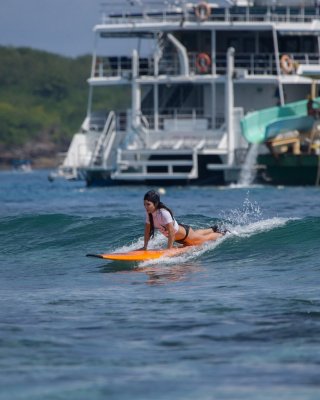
[37,155]
[36,163]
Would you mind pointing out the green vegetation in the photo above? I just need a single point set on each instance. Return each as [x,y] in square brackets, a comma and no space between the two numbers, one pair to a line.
[43,97]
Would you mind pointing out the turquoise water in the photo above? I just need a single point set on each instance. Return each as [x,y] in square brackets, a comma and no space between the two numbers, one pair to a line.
[237,319]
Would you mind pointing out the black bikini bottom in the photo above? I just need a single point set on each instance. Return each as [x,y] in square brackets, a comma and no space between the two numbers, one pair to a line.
[187,229]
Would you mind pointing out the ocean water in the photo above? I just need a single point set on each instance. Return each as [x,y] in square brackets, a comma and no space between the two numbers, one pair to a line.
[235,319]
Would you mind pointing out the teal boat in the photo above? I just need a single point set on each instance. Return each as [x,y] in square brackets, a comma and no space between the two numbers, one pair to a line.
[260,126]
[292,141]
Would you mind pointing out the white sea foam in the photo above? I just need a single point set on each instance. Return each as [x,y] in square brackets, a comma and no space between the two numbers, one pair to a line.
[248,213]
[249,219]
[157,242]
[259,226]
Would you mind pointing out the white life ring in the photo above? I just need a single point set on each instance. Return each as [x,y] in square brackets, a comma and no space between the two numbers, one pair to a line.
[287,64]
[202,11]
[203,62]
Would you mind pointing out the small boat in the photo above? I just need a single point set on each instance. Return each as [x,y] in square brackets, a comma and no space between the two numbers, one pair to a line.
[21,165]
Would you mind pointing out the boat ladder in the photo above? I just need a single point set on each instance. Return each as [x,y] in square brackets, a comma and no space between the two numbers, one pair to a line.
[102,151]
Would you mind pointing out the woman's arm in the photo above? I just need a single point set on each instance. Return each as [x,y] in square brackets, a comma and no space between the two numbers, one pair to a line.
[171,235]
[146,236]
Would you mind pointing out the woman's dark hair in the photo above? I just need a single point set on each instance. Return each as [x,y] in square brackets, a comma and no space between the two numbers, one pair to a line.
[154,197]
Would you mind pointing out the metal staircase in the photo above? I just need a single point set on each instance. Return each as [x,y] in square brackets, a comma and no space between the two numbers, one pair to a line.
[102,152]
[156,164]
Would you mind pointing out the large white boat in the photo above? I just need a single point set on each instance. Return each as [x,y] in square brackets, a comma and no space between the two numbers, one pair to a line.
[194,70]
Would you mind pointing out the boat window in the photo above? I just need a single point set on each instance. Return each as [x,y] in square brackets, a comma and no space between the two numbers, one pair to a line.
[235,43]
[248,45]
[266,44]
[224,40]
[308,44]
[298,44]
[106,98]
[292,45]
[173,97]
[259,42]
[195,40]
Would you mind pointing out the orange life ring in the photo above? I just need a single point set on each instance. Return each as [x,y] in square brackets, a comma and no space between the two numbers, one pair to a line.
[287,64]
[202,11]
[203,62]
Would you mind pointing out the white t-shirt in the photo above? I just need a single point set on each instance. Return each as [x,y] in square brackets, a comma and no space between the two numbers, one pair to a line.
[161,218]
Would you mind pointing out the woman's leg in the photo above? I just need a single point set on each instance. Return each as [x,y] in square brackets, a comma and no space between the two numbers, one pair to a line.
[204,231]
[201,236]
[213,228]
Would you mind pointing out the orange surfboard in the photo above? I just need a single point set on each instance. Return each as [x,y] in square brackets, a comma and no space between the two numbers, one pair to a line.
[141,255]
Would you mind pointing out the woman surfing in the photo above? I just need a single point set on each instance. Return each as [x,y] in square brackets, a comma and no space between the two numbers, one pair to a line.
[159,216]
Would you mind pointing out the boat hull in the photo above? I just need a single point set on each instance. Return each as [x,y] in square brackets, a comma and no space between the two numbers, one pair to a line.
[290,169]
[101,177]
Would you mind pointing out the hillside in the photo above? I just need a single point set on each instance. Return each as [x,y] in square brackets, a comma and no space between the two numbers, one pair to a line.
[43,101]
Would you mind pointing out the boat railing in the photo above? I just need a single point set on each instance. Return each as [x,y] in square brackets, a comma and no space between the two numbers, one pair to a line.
[264,63]
[271,13]
[186,119]
[170,118]
[96,123]
[122,120]
[265,14]
[253,64]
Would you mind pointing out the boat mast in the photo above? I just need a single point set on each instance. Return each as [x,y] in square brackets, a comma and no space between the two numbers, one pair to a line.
[136,91]
[93,68]
[229,104]
[277,58]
